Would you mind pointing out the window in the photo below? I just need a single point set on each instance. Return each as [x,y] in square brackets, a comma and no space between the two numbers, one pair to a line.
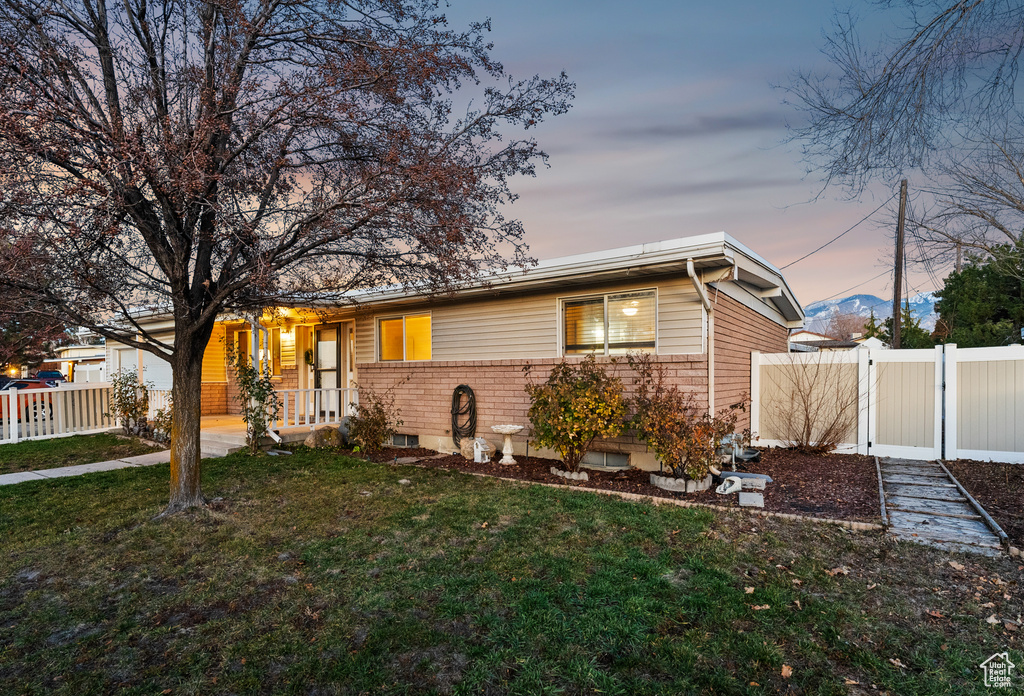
[243,346]
[275,351]
[405,338]
[609,324]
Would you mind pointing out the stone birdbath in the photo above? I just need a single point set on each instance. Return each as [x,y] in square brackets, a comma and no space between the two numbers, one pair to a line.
[508,431]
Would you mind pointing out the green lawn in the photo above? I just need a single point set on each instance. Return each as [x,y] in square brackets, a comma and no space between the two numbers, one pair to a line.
[67,451]
[316,574]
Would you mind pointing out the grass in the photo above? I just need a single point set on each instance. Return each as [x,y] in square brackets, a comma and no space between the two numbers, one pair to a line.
[67,451]
[322,574]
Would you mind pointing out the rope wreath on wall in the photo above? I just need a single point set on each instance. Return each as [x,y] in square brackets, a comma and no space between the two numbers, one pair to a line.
[463,414]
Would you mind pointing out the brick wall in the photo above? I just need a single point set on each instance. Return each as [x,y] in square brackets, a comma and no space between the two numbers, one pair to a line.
[214,399]
[499,387]
[740,330]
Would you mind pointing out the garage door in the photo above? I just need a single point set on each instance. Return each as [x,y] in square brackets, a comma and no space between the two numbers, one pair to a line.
[127,359]
[156,371]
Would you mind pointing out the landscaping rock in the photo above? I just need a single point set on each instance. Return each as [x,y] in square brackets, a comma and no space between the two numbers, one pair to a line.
[570,475]
[751,500]
[753,484]
[466,449]
[324,437]
[680,485]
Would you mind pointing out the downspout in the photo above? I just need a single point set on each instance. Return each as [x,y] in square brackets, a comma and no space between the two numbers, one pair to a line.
[702,293]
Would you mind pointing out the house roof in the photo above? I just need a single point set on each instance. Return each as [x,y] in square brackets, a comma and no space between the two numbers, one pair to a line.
[803,336]
[716,257]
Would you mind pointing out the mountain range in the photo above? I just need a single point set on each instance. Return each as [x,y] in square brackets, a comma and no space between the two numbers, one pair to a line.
[922,305]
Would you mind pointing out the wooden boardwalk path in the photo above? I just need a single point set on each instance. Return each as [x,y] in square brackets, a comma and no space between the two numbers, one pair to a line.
[921,501]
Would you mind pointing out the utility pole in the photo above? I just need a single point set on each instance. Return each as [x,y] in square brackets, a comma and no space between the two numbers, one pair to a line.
[897,285]
[959,249]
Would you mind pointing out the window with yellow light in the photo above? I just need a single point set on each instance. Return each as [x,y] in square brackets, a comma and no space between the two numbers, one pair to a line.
[404,338]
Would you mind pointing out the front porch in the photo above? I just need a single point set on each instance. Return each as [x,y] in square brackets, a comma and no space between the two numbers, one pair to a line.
[301,412]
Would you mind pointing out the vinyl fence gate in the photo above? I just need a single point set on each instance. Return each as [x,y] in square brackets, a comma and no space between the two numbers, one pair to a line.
[941,403]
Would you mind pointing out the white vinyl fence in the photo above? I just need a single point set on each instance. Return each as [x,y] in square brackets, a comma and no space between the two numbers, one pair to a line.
[70,409]
[944,402]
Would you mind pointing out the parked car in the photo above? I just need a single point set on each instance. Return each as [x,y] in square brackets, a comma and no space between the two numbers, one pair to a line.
[51,375]
[28,407]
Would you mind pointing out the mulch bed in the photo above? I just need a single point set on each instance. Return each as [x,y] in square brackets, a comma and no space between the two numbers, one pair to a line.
[838,486]
[999,488]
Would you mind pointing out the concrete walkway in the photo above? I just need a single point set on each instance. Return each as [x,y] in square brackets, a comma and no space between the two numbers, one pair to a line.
[924,503]
[150,459]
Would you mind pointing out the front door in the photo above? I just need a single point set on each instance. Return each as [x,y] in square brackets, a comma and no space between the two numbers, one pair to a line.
[327,364]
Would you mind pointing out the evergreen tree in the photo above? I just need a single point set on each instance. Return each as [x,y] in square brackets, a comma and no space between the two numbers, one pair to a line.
[911,333]
[872,329]
[983,304]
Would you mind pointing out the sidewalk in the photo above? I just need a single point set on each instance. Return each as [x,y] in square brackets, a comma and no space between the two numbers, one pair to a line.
[150,459]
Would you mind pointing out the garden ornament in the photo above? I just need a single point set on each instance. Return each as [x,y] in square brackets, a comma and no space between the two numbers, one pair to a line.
[731,484]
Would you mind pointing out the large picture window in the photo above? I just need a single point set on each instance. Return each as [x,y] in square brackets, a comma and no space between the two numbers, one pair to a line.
[609,324]
[404,338]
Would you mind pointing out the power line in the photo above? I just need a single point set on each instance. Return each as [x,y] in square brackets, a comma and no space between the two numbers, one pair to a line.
[843,292]
[836,238]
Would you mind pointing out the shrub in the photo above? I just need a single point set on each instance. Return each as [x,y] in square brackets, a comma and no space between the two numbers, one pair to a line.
[129,402]
[162,421]
[257,397]
[578,403]
[376,418]
[673,424]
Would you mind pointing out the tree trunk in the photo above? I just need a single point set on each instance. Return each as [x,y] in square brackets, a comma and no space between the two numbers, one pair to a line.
[187,367]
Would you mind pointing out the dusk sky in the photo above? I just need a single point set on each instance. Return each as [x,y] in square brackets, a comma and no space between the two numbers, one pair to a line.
[676,130]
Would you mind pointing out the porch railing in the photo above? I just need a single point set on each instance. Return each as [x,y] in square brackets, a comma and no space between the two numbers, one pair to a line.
[158,399]
[314,406]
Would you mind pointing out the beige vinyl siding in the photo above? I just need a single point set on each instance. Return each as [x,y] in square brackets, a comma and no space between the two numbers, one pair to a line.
[288,355]
[365,345]
[680,319]
[498,329]
[512,328]
[215,357]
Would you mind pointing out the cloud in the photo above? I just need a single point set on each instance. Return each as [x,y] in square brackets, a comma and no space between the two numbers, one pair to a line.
[705,126]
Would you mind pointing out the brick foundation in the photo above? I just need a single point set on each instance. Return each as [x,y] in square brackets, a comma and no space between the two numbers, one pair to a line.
[499,387]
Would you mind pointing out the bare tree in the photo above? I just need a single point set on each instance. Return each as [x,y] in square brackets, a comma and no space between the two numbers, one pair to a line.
[937,104]
[844,326]
[202,157]
[810,401]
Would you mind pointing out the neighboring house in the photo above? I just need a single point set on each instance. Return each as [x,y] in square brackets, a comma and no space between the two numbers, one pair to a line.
[807,345]
[82,363]
[804,336]
[701,304]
